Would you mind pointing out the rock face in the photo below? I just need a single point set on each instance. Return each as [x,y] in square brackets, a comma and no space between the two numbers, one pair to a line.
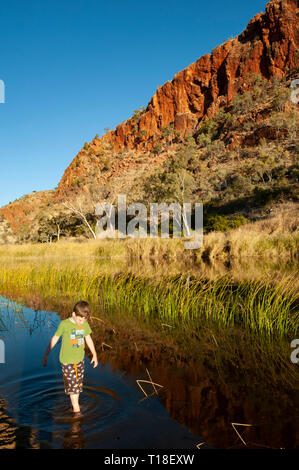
[21,212]
[268,46]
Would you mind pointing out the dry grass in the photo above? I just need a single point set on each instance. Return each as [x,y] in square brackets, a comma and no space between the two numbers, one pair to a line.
[131,249]
[274,236]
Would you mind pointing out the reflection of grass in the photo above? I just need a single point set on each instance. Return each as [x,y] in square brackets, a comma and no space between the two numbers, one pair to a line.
[256,305]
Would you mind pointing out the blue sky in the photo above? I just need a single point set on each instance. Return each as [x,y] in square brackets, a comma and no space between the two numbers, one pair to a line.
[72,68]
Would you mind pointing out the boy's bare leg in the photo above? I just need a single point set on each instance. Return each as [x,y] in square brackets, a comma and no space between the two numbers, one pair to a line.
[75,401]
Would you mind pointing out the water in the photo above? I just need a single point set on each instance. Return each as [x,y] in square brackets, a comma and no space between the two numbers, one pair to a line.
[35,412]
[208,383]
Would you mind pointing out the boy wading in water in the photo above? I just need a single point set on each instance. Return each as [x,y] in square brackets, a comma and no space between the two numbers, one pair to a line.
[73,331]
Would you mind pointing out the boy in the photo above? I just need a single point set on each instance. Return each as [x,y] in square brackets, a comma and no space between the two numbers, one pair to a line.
[73,331]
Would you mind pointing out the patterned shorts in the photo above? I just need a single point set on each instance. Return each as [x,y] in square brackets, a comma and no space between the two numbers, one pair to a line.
[73,377]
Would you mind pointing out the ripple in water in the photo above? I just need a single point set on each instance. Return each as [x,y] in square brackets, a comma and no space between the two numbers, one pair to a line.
[39,401]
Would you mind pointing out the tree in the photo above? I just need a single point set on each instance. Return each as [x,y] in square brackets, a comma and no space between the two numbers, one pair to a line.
[79,208]
[82,205]
[137,114]
[51,225]
[174,182]
[107,196]
[167,133]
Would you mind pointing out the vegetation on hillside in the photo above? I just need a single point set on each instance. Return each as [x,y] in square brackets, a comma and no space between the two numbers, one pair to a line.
[238,163]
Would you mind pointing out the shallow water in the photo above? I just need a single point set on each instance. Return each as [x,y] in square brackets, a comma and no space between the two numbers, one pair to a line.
[115,413]
[229,380]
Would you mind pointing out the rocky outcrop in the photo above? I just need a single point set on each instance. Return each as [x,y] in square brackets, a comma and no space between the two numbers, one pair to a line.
[268,46]
[21,212]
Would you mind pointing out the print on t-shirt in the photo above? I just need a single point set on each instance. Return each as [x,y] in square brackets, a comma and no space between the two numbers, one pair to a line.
[77,337]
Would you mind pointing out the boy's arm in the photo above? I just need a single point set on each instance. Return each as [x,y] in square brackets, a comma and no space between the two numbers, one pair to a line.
[51,345]
[90,344]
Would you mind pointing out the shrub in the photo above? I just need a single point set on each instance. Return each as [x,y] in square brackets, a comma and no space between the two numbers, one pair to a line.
[142,133]
[242,103]
[203,140]
[215,149]
[222,117]
[237,221]
[221,223]
[217,222]
[106,164]
[100,153]
[209,127]
[77,182]
[137,114]
[158,148]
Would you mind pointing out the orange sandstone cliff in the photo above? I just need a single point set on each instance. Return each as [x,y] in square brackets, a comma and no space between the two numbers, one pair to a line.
[268,46]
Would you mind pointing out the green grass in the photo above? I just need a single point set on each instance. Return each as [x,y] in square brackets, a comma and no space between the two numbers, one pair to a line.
[259,306]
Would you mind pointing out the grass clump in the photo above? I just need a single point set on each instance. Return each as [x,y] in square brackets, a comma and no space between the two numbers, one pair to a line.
[258,306]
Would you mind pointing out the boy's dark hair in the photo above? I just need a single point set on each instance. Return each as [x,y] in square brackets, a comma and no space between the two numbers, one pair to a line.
[82,309]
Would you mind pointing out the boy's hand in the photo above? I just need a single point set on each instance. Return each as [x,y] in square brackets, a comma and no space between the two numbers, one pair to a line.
[45,361]
[95,360]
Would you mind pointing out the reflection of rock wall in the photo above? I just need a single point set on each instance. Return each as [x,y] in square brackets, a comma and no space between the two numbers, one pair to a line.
[7,429]
[209,388]
[207,396]
[208,407]
[13,436]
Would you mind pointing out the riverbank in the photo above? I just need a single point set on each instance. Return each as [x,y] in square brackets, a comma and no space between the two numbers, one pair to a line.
[275,236]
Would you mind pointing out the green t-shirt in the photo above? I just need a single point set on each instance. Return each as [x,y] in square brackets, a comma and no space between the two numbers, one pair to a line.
[72,347]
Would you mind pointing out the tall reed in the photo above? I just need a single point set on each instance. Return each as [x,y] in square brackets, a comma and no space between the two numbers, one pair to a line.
[257,305]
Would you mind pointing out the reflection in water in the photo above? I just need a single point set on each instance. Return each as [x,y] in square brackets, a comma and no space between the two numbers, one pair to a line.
[7,428]
[74,439]
[238,269]
[222,386]
[209,380]
[39,410]
[223,380]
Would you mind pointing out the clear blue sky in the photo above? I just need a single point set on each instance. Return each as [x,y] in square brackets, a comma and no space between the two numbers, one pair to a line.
[73,67]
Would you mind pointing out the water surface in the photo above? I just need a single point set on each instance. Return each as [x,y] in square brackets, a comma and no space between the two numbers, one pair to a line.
[116,415]
[210,381]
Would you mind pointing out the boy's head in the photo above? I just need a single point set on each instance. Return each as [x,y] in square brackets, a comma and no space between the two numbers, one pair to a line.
[81,312]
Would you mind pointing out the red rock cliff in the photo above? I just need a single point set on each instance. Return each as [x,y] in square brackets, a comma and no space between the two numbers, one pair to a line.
[268,46]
